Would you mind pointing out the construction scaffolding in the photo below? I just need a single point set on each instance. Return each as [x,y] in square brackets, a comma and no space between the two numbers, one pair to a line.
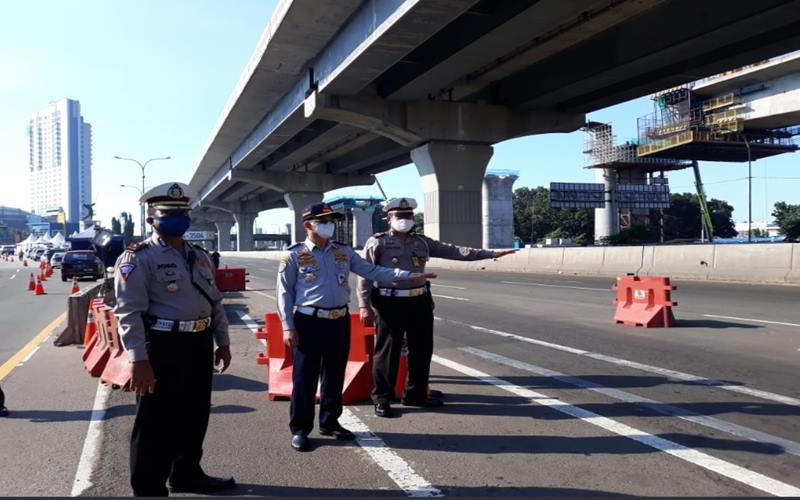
[602,151]
[687,126]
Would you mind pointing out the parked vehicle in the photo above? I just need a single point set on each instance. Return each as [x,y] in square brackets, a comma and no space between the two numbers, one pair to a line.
[8,250]
[81,263]
[56,259]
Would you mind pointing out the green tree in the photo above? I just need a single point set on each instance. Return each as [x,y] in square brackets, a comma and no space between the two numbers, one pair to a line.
[534,219]
[787,217]
[116,227]
[682,220]
[127,228]
[419,222]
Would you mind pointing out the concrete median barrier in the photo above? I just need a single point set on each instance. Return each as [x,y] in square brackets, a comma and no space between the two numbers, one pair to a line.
[794,273]
[586,261]
[680,261]
[760,263]
[621,260]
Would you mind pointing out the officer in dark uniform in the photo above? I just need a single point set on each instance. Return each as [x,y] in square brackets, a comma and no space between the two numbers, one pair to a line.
[3,409]
[313,292]
[170,314]
[403,309]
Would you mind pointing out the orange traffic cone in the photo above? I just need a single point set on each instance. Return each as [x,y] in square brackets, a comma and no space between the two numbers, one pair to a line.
[39,288]
[48,270]
[24,262]
[42,276]
[75,288]
[91,327]
[32,284]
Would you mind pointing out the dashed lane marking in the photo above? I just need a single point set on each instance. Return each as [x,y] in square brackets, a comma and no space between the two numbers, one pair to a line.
[436,285]
[688,377]
[450,297]
[264,294]
[657,406]
[92,445]
[557,286]
[398,469]
[703,460]
[752,320]
[30,347]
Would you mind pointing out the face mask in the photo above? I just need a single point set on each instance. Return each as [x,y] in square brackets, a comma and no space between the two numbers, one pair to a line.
[402,225]
[173,225]
[324,229]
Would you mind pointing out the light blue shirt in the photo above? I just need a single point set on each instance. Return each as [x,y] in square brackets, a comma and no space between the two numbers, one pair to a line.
[313,276]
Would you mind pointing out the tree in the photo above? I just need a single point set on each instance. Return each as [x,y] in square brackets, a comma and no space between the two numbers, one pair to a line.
[116,227]
[419,223]
[535,220]
[787,217]
[682,220]
[127,228]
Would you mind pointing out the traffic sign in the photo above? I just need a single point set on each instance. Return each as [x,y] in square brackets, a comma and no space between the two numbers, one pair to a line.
[577,195]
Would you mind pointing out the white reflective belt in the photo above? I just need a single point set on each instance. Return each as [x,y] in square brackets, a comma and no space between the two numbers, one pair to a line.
[396,292]
[167,325]
[322,313]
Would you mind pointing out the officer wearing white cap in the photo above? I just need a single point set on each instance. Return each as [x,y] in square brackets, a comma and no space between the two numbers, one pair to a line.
[403,309]
[313,292]
[170,314]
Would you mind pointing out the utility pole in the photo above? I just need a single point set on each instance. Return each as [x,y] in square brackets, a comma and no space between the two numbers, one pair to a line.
[141,203]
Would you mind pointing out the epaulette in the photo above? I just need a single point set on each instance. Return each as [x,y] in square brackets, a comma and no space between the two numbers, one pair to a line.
[296,245]
[380,235]
[138,247]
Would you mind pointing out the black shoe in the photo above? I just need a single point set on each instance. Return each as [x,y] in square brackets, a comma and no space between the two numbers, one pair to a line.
[201,484]
[384,410]
[338,432]
[433,393]
[301,442]
[3,411]
[424,402]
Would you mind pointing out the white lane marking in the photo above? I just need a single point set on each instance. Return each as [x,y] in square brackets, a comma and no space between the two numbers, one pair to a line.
[448,286]
[708,462]
[30,355]
[13,276]
[266,270]
[657,406]
[398,469]
[719,384]
[449,297]
[751,320]
[90,456]
[264,294]
[557,286]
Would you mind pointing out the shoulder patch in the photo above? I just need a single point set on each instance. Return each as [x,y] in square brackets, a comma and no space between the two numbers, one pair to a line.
[126,269]
[295,246]
[138,247]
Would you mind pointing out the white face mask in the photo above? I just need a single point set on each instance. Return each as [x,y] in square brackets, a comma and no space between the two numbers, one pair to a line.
[402,225]
[324,229]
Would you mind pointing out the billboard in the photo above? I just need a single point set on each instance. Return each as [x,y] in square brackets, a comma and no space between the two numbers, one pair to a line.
[576,195]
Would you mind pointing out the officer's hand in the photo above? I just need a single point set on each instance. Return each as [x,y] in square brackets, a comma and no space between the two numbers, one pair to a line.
[421,276]
[496,254]
[367,316]
[143,380]
[223,354]
[290,338]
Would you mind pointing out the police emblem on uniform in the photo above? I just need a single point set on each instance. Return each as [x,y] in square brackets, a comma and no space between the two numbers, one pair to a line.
[172,287]
[404,203]
[310,278]
[175,192]
[395,260]
[126,269]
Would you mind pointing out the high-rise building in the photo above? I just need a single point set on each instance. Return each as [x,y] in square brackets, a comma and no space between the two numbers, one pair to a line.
[60,160]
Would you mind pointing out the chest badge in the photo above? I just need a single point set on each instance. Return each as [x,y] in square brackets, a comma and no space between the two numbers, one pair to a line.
[395,260]
[310,278]
[172,287]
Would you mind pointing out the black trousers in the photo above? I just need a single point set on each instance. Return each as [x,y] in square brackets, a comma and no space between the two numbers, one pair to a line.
[411,317]
[323,347]
[2,398]
[171,423]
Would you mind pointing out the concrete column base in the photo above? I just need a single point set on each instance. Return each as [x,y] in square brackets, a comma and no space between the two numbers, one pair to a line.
[244,230]
[452,180]
[296,202]
[362,226]
[224,235]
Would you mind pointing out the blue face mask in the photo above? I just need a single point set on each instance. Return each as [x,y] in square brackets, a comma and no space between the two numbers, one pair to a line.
[173,225]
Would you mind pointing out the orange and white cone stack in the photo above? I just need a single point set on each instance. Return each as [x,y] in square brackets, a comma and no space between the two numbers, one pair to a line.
[32,284]
[48,270]
[39,288]
[75,288]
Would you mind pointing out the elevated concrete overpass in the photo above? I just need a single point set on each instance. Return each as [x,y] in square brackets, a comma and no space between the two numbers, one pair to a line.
[337,91]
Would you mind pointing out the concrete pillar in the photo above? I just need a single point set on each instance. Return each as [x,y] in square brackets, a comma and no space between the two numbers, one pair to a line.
[224,235]
[296,202]
[606,220]
[362,226]
[498,210]
[244,230]
[452,180]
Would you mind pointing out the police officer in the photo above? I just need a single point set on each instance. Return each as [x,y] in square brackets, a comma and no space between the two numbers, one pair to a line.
[403,309]
[313,292]
[170,314]
[3,409]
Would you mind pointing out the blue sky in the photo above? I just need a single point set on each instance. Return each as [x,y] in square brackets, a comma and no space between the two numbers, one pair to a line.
[153,76]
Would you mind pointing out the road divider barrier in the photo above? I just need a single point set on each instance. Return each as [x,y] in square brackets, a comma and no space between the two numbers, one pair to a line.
[644,301]
[278,360]
[231,279]
[117,371]
[96,354]
[78,312]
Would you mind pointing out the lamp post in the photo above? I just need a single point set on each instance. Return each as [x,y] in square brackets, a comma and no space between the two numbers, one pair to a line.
[138,190]
[141,203]
[749,191]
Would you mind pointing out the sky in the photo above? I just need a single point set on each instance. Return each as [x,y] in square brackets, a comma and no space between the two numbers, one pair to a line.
[153,77]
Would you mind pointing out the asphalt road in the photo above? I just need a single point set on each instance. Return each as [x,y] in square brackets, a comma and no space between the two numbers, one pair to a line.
[545,395]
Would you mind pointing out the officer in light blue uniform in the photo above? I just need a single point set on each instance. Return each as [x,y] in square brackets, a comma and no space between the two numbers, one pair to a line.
[313,293]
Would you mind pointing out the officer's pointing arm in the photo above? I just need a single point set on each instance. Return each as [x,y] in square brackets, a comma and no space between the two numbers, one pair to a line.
[130,288]
[453,252]
[374,272]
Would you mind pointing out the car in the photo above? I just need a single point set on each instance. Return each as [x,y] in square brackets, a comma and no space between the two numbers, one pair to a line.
[48,254]
[37,254]
[81,264]
[56,259]
[8,250]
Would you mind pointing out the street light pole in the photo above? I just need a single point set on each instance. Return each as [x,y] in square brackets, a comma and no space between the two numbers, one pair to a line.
[749,191]
[141,203]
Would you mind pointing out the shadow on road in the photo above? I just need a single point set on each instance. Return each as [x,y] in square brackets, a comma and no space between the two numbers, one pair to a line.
[710,323]
[228,382]
[513,491]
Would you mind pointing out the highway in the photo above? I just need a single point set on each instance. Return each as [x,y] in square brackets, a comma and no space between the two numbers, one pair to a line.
[545,396]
